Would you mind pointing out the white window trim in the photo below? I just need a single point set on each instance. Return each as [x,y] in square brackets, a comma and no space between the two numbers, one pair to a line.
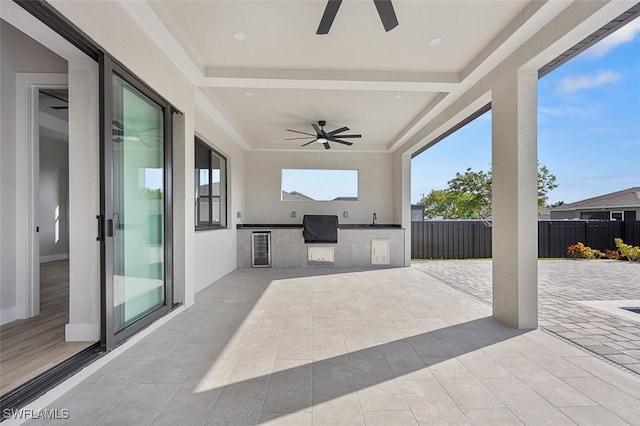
[611,213]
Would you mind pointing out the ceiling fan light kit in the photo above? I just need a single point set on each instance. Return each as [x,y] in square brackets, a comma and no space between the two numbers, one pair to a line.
[323,136]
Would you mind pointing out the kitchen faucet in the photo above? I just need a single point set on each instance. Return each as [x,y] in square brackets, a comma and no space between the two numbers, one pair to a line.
[375,218]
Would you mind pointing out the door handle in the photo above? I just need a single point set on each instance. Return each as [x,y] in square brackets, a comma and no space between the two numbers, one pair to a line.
[113,224]
[100,236]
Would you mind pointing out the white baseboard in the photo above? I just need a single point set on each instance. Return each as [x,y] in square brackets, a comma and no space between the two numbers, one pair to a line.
[54,257]
[8,314]
[82,332]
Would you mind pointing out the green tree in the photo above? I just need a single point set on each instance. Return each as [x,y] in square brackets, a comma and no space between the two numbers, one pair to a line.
[546,183]
[468,195]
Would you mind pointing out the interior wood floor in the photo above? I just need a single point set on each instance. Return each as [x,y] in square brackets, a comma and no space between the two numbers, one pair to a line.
[31,346]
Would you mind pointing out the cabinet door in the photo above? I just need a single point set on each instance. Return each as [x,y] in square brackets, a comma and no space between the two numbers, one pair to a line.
[379,251]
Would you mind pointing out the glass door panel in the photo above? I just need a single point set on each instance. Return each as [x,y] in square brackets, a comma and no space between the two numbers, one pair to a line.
[138,204]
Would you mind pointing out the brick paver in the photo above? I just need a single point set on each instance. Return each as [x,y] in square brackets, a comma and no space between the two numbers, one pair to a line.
[562,283]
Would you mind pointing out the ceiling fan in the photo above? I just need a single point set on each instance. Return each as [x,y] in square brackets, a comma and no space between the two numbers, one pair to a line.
[151,137]
[58,98]
[385,10]
[324,137]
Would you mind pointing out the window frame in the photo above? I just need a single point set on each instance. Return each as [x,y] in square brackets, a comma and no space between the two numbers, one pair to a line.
[612,212]
[223,211]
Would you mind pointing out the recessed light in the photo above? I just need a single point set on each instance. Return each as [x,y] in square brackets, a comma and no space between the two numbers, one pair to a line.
[249,93]
[398,96]
[435,41]
[239,36]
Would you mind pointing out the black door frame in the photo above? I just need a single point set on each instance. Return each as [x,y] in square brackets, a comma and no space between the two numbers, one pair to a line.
[110,338]
[107,65]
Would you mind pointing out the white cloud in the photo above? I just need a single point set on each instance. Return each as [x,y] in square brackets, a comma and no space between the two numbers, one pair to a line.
[621,36]
[586,112]
[573,83]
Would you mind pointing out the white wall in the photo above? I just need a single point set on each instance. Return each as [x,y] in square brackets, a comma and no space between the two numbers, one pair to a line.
[19,53]
[263,186]
[215,250]
[53,194]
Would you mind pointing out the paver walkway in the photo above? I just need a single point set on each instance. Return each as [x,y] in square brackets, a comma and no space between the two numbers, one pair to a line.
[561,285]
[327,347]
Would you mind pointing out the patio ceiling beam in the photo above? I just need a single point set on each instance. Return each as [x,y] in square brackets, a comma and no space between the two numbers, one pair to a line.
[331,79]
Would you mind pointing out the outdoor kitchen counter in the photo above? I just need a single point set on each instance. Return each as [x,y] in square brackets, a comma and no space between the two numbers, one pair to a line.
[353,249]
[299,226]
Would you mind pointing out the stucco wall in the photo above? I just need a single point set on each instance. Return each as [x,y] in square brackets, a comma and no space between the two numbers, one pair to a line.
[215,250]
[263,187]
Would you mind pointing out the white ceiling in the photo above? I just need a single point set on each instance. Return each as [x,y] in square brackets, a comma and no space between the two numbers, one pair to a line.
[281,34]
[350,77]
[263,117]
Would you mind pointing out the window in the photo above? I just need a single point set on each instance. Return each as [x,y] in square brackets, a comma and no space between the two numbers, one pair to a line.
[210,187]
[617,216]
[319,185]
[593,215]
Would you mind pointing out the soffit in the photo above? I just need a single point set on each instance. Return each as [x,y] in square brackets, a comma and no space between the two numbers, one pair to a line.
[281,34]
[264,116]
[350,77]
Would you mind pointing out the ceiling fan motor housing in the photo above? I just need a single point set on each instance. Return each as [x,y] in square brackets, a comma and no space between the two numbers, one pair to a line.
[323,137]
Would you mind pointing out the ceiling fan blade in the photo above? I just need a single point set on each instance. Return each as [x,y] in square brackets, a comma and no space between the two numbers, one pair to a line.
[342,142]
[53,96]
[340,130]
[329,15]
[295,139]
[302,133]
[347,136]
[326,145]
[317,129]
[387,14]
[310,142]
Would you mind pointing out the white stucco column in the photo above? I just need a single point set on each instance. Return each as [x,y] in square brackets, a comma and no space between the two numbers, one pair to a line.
[406,206]
[402,199]
[84,203]
[514,208]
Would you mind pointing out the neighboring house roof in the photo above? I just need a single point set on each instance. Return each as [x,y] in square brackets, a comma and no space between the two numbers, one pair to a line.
[295,196]
[625,198]
[345,199]
[544,213]
[204,189]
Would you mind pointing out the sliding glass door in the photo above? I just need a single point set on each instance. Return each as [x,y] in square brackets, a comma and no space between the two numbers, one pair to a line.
[137,208]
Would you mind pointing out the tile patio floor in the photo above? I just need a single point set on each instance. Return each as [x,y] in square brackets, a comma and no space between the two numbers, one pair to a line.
[562,284]
[385,347]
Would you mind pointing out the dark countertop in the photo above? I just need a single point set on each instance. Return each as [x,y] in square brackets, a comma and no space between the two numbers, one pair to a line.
[299,226]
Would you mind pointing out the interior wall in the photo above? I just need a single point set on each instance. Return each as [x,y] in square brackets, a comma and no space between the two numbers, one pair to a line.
[263,187]
[215,250]
[18,53]
[54,199]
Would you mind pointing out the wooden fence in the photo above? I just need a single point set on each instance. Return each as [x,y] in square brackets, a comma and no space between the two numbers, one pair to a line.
[470,239]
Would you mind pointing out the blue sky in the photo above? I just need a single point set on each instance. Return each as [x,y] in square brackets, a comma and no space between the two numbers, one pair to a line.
[588,127]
